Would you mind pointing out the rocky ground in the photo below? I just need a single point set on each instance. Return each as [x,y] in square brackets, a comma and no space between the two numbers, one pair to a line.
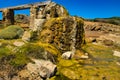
[103,33]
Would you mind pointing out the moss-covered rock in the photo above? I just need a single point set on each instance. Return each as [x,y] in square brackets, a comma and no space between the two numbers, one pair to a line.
[11,32]
[65,33]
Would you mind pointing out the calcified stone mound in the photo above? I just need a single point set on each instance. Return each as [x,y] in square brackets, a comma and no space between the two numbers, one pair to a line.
[65,33]
[39,14]
[52,10]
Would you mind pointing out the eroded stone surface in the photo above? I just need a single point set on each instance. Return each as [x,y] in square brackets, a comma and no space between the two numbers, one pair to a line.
[18,43]
[42,68]
[116,53]
[67,55]
[65,33]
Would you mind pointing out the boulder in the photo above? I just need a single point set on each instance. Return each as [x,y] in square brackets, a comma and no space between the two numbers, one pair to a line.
[116,53]
[108,42]
[18,43]
[65,33]
[42,68]
[67,55]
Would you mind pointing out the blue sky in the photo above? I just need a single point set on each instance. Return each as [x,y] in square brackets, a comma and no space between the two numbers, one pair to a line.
[83,8]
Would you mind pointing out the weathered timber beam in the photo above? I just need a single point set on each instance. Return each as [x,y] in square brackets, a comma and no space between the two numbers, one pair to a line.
[26,6]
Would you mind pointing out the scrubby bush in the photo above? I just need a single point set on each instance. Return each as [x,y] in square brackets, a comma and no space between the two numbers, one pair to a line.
[11,32]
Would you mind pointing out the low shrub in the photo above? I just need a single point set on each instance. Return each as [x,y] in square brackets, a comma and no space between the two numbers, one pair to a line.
[11,32]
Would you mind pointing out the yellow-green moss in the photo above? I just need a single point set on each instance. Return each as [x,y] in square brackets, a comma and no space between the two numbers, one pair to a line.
[4,52]
[66,63]
[101,65]
[23,54]
[6,48]
[48,47]
[98,51]
[20,59]
[61,31]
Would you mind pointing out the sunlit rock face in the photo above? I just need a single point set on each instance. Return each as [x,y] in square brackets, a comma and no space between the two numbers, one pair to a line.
[51,10]
[39,14]
[65,33]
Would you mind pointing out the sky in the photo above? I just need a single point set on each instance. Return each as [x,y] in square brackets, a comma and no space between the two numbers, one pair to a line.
[84,8]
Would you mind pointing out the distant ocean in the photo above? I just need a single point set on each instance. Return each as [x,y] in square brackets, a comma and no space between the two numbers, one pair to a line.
[25,11]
